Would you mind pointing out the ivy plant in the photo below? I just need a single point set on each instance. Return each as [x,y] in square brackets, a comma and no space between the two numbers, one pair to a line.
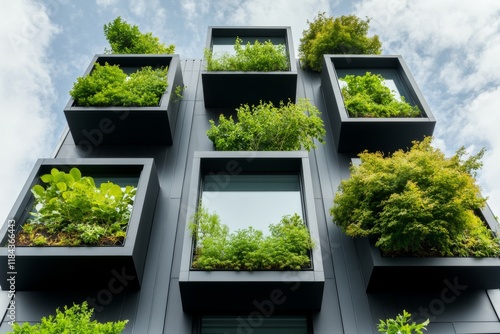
[265,127]
[71,210]
[124,38]
[108,85]
[367,96]
[416,203]
[402,325]
[262,57]
[346,34]
[286,248]
[74,319]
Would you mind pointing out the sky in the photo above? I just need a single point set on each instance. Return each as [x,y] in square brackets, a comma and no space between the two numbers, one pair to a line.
[452,48]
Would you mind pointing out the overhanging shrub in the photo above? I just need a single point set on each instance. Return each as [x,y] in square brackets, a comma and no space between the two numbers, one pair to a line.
[346,34]
[265,127]
[416,203]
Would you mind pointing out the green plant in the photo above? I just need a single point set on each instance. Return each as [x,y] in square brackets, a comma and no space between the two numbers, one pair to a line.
[108,85]
[262,57]
[179,90]
[75,319]
[346,34]
[72,210]
[286,248]
[367,96]
[127,39]
[416,203]
[402,325]
[269,128]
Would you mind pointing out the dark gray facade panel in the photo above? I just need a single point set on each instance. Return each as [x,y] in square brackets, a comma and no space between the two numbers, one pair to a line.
[346,307]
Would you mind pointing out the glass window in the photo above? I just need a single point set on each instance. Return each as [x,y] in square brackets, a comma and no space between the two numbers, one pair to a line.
[254,324]
[256,200]
[226,44]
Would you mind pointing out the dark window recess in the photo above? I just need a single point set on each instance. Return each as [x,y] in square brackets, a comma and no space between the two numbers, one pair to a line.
[255,324]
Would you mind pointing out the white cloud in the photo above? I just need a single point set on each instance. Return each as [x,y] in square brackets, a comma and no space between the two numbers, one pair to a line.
[452,49]
[26,92]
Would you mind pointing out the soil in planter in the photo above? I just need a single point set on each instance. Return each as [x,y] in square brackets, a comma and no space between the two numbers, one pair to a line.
[40,236]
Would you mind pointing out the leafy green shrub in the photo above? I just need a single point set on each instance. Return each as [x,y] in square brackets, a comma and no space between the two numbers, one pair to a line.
[367,96]
[402,325]
[75,319]
[71,210]
[262,57]
[108,85]
[287,248]
[416,203]
[346,34]
[127,39]
[269,128]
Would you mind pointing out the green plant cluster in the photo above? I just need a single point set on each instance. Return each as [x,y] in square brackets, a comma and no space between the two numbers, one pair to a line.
[287,248]
[72,210]
[108,85]
[416,203]
[127,39]
[265,127]
[367,96]
[402,325]
[261,57]
[75,319]
[346,34]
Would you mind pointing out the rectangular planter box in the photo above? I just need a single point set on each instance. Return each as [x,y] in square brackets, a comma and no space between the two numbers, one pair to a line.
[94,126]
[85,267]
[356,134]
[231,291]
[225,89]
[385,274]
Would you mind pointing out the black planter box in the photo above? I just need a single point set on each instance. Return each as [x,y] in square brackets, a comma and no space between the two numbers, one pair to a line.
[356,134]
[225,89]
[385,274]
[94,126]
[233,291]
[85,267]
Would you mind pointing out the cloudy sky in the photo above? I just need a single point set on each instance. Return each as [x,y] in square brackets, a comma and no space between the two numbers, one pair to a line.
[451,46]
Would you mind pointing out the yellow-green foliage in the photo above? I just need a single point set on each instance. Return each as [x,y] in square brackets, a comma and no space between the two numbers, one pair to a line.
[416,203]
[127,39]
[75,211]
[367,96]
[287,127]
[108,85]
[346,34]
[402,325]
[261,57]
[75,319]
[287,247]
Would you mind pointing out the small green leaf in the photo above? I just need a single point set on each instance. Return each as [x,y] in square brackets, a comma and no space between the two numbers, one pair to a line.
[62,186]
[47,178]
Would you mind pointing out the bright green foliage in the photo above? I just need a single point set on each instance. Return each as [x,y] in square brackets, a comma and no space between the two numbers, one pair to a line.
[367,96]
[108,85]
[261,57]
[76,212]
[75,319]
[416,203]
[287,248]
[346,34]
[127,39]
[269,128]
[402,325]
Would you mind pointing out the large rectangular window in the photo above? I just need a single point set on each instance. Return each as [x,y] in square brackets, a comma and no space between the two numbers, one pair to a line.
[256,200]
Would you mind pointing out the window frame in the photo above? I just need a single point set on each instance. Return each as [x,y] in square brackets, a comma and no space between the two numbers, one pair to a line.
[198,287]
